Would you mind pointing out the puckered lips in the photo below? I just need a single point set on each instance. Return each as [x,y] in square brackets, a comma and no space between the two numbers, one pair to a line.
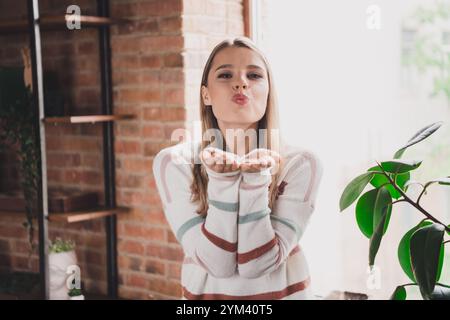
[240,99]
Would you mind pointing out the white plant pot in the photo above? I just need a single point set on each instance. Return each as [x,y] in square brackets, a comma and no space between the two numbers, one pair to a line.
[80,297]
[58,263]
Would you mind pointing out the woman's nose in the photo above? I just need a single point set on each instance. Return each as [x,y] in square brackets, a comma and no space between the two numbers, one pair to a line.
[240,84]
[237,86]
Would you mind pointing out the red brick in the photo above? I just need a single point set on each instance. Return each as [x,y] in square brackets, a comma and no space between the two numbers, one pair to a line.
[173,96]
[54,175]
[87,47]
[170,24]
[126,77]
[72,176]
[155,266]
[159,44]
[146,26]
[150,78]
[129,129]
[173,114]
[124,45]
[137,280]
[170,129]
[127,146]
[63,160]
[129,181]
[151,61]
[161,8]
[139,95]
[174,270]
[154,131]
[136,165]
[165,252]
[172,76]
[152,113]
[152,148]
[157,217]
[124,10]
[131,246]
[171,288]
[172,60]
[91,177]
[125,62]
[92,160]
[171,237]
[94,258]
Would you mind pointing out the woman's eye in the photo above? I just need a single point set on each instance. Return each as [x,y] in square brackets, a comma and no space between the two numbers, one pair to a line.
[254,76]
[225,76]
[250,75]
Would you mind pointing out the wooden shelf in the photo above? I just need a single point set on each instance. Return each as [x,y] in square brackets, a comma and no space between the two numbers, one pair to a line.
[76,216]
[58,23]
[84,215]
[89,119]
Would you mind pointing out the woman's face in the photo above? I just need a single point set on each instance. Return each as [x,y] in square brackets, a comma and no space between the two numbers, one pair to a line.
[237,70]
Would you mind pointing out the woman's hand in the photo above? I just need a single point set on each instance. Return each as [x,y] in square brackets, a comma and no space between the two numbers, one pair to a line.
[219,161]
[259,159]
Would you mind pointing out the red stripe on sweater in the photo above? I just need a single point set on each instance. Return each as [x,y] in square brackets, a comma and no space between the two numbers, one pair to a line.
[255,253]
[273,295]
[189,260]
[221,243]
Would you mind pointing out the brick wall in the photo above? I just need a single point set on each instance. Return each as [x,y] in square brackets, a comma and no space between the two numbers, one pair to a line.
[157,60]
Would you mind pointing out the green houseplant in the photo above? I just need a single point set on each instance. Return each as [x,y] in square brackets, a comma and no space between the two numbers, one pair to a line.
[61,257]
[18,130]
[75,294]
[421,250]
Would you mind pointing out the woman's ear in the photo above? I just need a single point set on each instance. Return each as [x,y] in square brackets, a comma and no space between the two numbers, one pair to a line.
[205,96]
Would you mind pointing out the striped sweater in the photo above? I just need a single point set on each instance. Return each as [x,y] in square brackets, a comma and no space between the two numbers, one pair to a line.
[241,249]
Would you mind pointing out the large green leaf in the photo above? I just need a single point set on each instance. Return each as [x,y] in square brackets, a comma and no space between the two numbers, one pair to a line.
[403,250]
[380,179]
[440,293]
[425,247]
[419,136]
[365,212]
[399,293]
[354,189]
[400,166]
[381,213]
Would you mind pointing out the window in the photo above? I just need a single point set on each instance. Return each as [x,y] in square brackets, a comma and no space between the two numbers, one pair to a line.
[342,93]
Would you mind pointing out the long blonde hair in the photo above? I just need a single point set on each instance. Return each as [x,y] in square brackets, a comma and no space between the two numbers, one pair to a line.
[269,121]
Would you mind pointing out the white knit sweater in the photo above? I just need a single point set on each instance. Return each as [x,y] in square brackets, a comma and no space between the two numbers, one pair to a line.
[241,250]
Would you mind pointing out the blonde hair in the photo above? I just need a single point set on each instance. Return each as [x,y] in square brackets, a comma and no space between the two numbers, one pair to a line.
[269,122]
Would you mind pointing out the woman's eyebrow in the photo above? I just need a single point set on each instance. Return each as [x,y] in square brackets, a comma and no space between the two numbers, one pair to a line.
[250,66]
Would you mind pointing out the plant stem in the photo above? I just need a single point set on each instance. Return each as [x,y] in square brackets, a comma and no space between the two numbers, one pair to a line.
[416,205]
[400,200]
[408,284]
[421,194]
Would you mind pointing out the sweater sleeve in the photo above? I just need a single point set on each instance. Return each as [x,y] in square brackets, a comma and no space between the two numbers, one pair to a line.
[210,241]
[266,238]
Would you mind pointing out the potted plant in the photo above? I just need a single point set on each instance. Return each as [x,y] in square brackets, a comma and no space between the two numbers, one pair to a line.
[421,250]
[18,128]
[75,294]
[61,256]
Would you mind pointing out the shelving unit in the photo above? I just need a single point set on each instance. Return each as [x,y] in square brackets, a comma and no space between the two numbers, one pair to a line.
[88,119]
[75,216]
[101,22]
[57,23]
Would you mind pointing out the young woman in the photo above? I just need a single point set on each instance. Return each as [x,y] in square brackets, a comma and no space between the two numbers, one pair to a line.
[239,208]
